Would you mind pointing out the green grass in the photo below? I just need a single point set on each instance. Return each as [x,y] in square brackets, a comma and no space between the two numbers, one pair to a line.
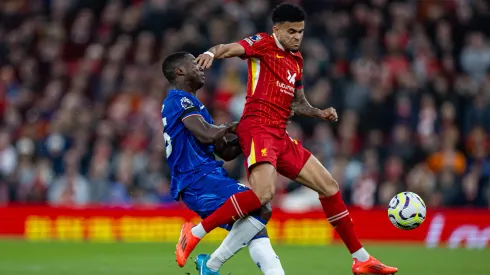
[62,258]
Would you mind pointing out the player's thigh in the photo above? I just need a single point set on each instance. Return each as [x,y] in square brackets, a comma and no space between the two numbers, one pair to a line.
[262,179]
[315,176]
[210,192]
[261,147]
[292,159]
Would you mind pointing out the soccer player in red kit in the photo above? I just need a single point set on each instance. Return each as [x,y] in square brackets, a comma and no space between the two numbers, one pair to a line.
[274,89]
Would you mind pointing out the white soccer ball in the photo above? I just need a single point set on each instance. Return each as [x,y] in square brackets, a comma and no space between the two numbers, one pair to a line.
[407,211]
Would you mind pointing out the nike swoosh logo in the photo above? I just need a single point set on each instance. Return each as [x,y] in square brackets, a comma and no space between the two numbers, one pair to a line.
[202,107]
[278,56]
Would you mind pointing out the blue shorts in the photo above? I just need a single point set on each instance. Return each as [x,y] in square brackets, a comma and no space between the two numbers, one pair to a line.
[210,192]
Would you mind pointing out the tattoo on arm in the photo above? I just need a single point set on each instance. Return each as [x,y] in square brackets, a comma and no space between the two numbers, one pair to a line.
[227,50]
[302,107]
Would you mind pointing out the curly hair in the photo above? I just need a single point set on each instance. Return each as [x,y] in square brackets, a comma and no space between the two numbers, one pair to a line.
[287,12]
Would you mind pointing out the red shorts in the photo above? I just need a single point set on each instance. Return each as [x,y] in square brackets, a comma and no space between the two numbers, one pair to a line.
[268,144]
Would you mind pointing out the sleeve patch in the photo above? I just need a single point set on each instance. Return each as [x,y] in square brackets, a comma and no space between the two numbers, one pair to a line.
[254,38]
[186,103]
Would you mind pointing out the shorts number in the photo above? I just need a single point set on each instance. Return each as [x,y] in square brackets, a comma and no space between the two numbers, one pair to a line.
[166,137]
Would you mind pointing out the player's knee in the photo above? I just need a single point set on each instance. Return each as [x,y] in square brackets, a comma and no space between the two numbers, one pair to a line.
[265,193]
[329,186]
[263,182]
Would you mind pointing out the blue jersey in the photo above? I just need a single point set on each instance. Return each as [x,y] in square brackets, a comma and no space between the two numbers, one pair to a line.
[188,159]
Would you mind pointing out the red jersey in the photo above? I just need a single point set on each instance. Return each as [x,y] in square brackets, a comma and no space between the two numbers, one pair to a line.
[273,76]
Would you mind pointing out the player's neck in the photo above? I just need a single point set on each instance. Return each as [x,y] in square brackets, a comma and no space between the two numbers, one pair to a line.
[186,87]
[278,43]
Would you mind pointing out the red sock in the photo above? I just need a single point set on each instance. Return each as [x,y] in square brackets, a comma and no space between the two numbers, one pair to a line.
[339,218]
[235,207]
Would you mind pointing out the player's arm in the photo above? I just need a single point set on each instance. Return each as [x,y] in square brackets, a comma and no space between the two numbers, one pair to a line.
[302,107]
[219,52]
[207,133]
[253,46]
[227,50]
[228,149]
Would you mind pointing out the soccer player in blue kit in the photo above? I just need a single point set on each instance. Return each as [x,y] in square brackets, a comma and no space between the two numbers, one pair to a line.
[198,179]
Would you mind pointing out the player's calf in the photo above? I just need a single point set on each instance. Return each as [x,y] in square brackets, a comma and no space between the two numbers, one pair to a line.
[234,208]
[240,235]
[315,176]
[264,256]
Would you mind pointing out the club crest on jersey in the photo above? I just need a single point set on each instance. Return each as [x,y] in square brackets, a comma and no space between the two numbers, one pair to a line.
[291,78]
[186,103]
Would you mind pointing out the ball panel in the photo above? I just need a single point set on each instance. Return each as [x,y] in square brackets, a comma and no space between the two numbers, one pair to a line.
[406,211]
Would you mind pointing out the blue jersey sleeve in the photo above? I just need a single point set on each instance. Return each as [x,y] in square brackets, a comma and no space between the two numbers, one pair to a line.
[186,107]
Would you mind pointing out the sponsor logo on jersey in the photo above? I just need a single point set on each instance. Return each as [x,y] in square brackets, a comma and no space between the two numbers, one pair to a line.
[291,77]
[287,89]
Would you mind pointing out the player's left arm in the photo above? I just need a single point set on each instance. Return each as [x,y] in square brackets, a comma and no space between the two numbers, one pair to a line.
[302,107]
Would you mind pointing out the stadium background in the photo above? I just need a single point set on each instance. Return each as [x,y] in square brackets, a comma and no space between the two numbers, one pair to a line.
[81,146]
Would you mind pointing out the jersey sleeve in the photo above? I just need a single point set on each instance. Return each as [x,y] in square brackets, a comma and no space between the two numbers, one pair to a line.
[186,108]
[298,85]
[255,45]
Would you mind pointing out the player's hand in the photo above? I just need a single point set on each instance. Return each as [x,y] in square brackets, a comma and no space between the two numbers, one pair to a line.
[204,61]
[330,114]
[232,127]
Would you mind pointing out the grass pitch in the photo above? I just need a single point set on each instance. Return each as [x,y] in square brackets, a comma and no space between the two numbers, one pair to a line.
[62,258]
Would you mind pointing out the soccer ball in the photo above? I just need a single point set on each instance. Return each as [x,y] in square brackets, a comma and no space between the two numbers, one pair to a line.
[406,211]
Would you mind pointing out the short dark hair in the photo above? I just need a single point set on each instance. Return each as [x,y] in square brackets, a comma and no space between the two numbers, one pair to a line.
[287,12]
[171,62]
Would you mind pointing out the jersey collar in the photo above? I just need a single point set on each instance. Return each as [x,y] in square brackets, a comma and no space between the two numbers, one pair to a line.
[277,42]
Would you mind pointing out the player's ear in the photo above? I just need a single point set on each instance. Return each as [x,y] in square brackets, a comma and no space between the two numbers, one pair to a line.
[275,28]
[180,70]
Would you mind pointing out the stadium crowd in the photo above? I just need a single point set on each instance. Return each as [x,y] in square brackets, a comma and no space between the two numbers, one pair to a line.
[81,91]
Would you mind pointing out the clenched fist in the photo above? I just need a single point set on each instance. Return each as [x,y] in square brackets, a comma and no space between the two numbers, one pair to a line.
[330,114]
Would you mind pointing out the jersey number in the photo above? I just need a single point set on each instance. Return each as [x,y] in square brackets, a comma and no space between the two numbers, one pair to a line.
[166,137]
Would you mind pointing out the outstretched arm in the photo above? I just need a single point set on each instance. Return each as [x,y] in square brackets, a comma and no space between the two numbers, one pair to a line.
[207,133]
[253,46]
[227,50]
[302,107]
[219,52]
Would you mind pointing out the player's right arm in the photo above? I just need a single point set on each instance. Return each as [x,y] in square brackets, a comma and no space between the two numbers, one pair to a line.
[252,46]
[219,52]
[207,133]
